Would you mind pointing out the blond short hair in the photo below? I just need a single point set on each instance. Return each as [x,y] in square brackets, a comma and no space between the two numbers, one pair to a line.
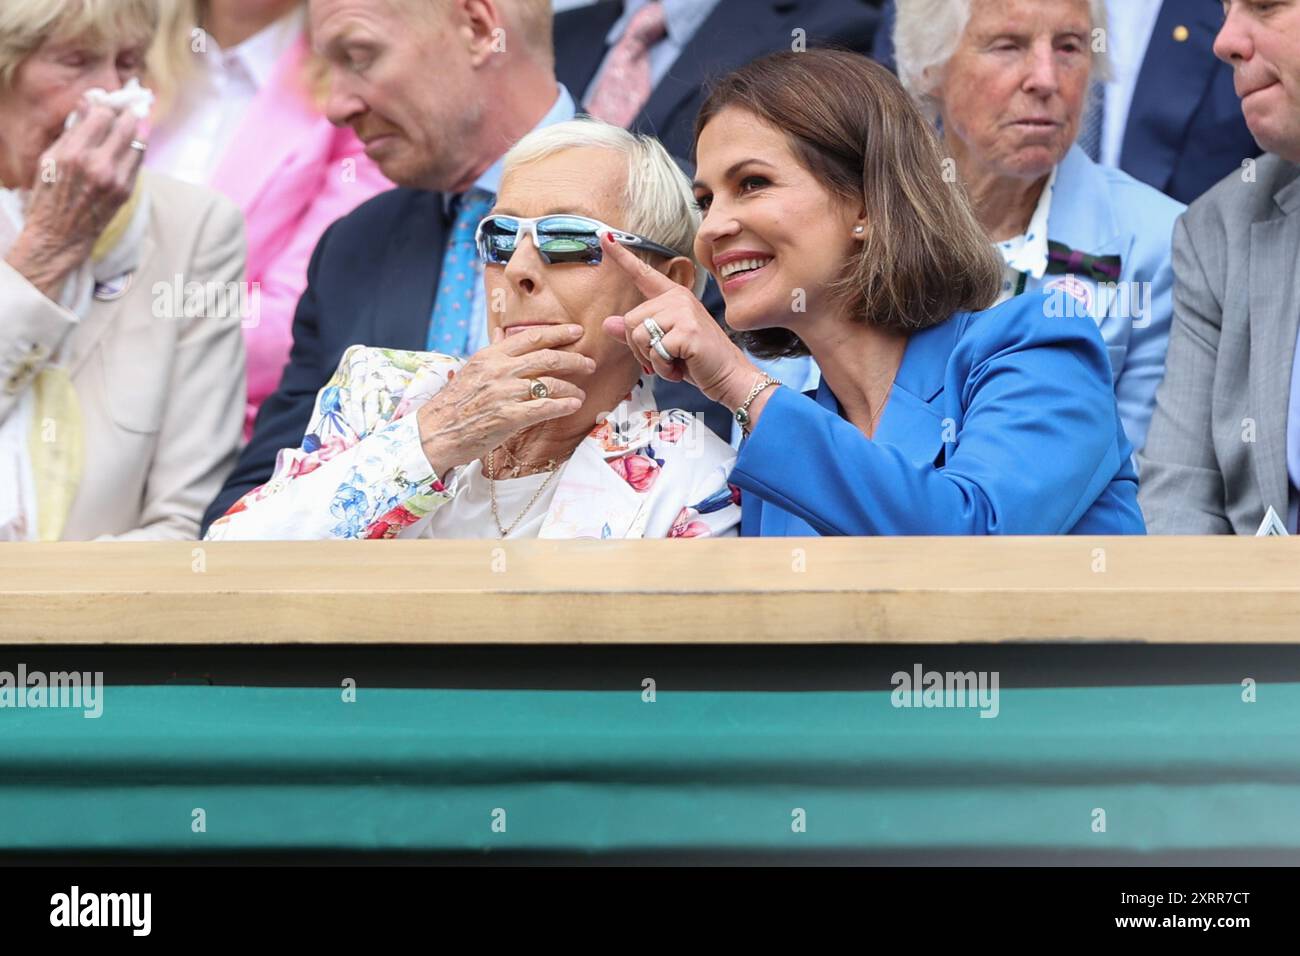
[26,24]
[658,201]
[927,33]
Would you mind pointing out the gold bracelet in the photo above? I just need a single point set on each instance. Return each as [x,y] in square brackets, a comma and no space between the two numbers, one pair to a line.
[742,413]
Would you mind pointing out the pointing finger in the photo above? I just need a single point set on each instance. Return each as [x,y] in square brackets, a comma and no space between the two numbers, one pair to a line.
[649,280]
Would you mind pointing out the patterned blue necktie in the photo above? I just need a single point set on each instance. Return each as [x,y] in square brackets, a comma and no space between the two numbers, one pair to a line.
[462,273]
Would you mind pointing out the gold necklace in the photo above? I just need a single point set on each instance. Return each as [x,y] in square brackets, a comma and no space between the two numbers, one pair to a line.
[519,465]
[875,418]
[492,491]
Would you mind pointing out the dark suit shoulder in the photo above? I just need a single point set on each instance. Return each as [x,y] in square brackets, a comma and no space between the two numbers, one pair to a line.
[851,24]
[383,213]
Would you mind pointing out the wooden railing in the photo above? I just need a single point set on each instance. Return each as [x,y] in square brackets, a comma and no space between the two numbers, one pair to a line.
[789,590]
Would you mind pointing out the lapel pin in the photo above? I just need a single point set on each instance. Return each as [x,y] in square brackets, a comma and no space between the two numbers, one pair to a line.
[1181,33]
[111,289]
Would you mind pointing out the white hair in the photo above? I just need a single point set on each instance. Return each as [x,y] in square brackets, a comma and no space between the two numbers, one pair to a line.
[927,32]
[658,201]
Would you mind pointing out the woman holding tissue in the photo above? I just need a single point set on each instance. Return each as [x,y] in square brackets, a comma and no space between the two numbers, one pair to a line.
[121,354]
[832,231]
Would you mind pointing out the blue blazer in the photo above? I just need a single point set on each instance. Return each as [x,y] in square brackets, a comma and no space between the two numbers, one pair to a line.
[999,422]
[1185,130]
[1100,211]
[1103,211]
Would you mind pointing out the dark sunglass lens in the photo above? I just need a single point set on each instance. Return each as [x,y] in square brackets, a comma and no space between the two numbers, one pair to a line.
[498,240]
[565,239]
[570,249]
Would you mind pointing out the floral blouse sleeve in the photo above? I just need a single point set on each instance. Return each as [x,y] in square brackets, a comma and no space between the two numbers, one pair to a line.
[360,471]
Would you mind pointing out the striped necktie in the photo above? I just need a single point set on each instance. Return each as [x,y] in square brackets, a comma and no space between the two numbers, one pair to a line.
[1093,122]
[625,86]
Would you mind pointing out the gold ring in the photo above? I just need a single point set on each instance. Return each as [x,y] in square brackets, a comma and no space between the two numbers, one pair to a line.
[539,390]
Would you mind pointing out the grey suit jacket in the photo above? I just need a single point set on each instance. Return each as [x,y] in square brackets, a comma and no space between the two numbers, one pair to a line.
[161,388]
[1215,458]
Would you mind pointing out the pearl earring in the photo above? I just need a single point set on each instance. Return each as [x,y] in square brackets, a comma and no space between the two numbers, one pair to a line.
[857,230]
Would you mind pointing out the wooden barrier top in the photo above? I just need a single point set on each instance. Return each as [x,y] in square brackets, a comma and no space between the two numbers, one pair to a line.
[774,590]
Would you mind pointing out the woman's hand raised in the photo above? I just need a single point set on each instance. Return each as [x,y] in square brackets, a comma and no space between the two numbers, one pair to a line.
[490,398]
[84,179]
[702,352]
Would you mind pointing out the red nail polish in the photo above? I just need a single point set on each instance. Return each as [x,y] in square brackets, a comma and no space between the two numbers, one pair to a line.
[609,236]
[647,369]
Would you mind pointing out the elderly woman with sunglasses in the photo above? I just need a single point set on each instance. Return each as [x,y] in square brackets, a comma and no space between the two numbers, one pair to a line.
[551,430]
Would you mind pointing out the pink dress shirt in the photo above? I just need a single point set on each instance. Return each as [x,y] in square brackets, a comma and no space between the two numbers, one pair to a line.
[293,174]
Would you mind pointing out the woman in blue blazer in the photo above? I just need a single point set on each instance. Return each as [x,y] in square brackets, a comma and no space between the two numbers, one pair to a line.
[833,232]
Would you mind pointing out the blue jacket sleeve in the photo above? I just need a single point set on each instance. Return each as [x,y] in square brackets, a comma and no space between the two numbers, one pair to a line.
[1036,442]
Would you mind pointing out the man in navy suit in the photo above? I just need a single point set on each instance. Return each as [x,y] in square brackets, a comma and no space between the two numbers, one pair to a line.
[1182,131]
[703,39]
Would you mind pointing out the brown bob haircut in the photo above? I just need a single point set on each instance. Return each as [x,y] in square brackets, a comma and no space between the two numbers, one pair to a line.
[855,129]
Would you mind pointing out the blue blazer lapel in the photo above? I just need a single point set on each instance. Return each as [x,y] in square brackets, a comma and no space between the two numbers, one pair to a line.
[1083,219]
[913,420]
[403,303]
[1081,215]
[1174,79]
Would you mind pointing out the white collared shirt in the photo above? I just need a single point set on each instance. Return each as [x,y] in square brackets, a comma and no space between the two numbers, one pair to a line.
[193,138]
[1026,254]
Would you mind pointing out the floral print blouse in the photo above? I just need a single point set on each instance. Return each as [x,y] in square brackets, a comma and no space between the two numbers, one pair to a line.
[360,471]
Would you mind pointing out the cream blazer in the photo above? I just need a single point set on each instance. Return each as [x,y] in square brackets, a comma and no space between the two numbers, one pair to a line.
[158,367]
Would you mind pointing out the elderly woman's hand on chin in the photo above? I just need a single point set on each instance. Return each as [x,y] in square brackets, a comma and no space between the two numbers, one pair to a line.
[488,400]
[703,354]
[83,179]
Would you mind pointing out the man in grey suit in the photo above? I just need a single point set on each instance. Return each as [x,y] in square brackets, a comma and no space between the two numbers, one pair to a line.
[1224,446]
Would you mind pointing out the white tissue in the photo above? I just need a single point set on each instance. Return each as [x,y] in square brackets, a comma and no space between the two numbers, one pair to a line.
[133,97]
